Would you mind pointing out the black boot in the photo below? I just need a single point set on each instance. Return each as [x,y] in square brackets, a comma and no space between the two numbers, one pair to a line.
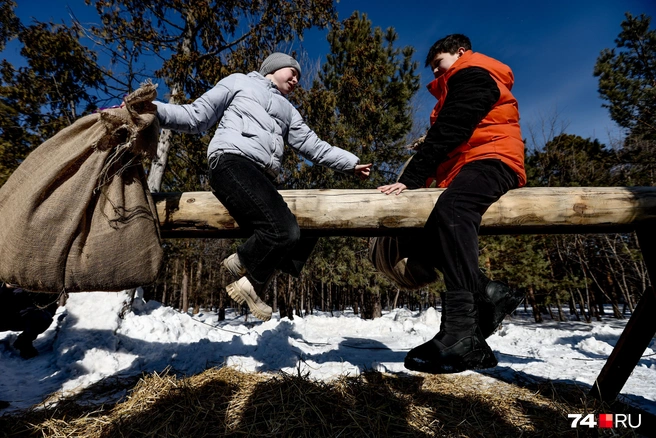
[495,300]
[24,345]
[459,345]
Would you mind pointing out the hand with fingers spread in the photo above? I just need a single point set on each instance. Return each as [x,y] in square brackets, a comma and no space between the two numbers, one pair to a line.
[395,188]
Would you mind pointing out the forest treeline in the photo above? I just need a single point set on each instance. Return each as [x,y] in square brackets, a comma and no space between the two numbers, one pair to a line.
[359,97]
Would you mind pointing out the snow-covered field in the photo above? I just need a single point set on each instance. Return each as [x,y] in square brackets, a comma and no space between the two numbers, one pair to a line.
[89,342]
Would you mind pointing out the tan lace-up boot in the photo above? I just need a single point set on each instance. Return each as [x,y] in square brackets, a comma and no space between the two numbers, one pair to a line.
[243,291]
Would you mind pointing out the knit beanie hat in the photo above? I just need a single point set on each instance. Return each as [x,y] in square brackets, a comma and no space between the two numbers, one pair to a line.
[276,61]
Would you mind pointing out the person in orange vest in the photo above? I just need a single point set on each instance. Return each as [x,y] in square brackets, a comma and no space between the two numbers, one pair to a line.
[474,149]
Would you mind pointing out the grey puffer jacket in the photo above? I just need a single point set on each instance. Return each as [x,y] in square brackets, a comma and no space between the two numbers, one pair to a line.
[255,121]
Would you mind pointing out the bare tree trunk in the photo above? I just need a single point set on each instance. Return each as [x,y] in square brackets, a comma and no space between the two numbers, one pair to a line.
[588,314]
[210,282]
[293,296]
[388,301]
[197,287]
[165,285]
[551,315]
[376,310]
[640,268]
[309,289]
[323,298]
[175,283]
[158,165]
[619,281]
[615,288]
[302,291]
[289,303]
[274,288]
[190,285]
[585,314]
[594,304]
[537,316]
[366,300]
[221,304]
[561,315]
[185,287]
[572,306]
[330,295]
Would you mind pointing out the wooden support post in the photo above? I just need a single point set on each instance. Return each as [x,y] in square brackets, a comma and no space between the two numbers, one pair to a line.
[637,335]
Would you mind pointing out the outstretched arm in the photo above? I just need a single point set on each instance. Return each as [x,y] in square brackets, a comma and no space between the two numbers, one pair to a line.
[307,143]
[201,114]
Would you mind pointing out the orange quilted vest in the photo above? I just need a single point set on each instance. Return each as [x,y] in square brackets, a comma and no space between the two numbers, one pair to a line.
[498,135]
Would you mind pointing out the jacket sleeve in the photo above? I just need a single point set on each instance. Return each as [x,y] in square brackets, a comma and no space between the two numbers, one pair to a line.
[307,143]
[472,94]
[200,115]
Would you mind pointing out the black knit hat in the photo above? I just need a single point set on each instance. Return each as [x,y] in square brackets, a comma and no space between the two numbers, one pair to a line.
[276,61]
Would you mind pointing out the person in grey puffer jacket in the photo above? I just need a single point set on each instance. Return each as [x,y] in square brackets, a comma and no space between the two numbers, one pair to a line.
[255,120]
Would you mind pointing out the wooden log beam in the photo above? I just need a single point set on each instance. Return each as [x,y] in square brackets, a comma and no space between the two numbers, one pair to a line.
[530,210]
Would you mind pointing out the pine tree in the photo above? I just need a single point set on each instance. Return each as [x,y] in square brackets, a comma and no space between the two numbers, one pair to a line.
[9,23]
[627,77]
[570,160]
[46,95]
[627,82]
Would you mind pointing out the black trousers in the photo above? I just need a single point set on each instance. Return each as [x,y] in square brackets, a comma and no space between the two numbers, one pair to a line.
[449,240]
[252,199]
[19,311]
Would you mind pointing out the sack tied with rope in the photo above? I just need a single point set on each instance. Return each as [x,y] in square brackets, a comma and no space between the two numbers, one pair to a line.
[77,215]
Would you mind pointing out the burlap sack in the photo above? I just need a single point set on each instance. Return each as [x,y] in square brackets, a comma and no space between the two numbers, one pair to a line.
[391,256]
[77,214]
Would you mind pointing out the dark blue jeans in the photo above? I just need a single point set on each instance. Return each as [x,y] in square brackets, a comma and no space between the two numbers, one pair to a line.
[252,199]
[449,239]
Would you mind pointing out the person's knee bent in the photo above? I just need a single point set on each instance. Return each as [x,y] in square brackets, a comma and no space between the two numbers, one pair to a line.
[290,235]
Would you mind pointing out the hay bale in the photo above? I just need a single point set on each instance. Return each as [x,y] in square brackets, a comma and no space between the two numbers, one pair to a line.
[227,402]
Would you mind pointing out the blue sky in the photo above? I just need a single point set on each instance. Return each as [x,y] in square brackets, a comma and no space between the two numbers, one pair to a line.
[551,47]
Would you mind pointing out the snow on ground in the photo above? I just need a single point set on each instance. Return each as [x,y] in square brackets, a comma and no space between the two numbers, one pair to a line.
[89,342]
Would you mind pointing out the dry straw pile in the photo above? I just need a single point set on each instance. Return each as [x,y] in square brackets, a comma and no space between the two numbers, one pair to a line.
[224,402]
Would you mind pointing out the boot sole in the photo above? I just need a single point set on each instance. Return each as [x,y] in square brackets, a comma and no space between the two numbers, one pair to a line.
[262,312]
[476,360]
